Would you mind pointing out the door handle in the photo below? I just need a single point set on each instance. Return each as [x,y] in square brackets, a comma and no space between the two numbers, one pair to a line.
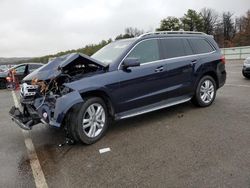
[193,62]
[159,69]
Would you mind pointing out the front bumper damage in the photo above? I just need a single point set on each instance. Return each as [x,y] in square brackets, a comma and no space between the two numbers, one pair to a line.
[49,110]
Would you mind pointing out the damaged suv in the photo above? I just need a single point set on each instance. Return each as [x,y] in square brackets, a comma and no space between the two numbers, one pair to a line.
[124,79]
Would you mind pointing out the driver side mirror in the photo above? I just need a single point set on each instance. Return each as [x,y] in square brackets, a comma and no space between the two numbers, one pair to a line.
[131,62]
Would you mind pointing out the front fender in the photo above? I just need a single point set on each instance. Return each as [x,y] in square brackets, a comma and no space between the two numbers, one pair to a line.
[63,104]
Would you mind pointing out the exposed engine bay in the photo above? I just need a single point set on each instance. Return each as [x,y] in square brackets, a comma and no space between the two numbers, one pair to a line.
[43,95]
[69,74]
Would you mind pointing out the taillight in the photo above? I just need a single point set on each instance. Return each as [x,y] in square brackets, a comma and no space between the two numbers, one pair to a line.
[223,60]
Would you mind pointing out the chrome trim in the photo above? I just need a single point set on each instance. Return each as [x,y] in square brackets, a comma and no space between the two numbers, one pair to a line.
[24,91]
[174,58]
[156,108]
[157,61]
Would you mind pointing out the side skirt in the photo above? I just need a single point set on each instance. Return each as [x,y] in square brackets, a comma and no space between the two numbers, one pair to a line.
[152,107]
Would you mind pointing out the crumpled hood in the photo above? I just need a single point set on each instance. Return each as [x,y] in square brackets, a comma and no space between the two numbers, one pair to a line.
[54,67]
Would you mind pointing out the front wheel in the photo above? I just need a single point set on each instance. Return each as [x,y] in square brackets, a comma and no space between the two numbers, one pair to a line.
[205,92]
[92,120]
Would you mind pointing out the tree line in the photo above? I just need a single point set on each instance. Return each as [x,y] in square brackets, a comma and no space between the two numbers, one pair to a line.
[228,30]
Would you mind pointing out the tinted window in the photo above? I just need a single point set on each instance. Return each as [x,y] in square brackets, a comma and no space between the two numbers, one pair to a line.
[33,67]
[200,46]
[173,47]
[146,51]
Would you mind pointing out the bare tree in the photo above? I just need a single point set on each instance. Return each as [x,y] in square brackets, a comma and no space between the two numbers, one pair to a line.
[130,32]
[242,37]
[133,32]
[210,19]
[228,26]
[239,24]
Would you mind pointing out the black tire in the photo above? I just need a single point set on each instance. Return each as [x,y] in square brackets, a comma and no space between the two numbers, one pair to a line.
[197,98]
[246,75]
[71,123]
[3,83]
[77,122]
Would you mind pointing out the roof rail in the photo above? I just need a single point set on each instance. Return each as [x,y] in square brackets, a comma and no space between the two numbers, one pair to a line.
[171,32]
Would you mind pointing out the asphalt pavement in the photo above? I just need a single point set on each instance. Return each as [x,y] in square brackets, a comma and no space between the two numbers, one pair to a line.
[181,146]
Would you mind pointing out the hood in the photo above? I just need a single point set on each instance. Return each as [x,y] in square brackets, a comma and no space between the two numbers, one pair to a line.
[56,66]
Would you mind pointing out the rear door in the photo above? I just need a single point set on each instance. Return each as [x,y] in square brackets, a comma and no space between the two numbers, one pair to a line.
[20,71]
[180,62]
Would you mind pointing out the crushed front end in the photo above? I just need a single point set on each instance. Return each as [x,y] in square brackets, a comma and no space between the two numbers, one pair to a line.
[44,95]
[48,108]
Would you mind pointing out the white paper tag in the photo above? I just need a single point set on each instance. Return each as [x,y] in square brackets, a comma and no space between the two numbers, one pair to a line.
[104,150]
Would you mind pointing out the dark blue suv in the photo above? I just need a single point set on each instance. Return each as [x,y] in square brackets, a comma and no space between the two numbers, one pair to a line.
[124,79]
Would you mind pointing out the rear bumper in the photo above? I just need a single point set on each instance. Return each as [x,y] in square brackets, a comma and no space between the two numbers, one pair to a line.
[222,76]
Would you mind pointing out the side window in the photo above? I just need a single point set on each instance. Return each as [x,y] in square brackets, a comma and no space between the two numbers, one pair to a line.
[146,51]
[20,69]
[200,46]
[33,67]
[173,47]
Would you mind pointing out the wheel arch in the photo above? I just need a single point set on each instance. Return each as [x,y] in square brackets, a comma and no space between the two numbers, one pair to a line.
[104,96]
[209,73]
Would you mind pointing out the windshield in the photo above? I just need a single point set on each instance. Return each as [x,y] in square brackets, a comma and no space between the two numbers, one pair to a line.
[112,51]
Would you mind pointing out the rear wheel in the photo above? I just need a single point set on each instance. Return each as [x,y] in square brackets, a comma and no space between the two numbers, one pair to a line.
[91,122]
[205,92]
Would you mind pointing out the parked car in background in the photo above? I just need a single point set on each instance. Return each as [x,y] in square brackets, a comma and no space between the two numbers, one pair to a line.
[3,68]
[3,81]
[126,78]
[21,71]
[246,68]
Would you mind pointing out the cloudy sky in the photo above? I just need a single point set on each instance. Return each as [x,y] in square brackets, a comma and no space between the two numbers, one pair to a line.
[42,27]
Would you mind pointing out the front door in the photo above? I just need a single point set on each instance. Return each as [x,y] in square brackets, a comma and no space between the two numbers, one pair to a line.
[142,85]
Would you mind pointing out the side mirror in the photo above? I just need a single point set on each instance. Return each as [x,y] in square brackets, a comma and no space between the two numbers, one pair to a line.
[131,62]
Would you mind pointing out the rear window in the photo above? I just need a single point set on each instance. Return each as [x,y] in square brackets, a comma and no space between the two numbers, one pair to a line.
[200,46]
[175,47]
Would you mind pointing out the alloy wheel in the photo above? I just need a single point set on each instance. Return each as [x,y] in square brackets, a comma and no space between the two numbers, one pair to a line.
[207,91]
[93,120]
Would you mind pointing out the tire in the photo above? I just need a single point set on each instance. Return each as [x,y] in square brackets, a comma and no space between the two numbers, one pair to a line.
[205,92]
[246,75]
[2,84]
[93,115]
[71,123]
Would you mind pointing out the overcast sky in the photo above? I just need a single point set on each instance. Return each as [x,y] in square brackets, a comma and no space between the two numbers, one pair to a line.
[42,27]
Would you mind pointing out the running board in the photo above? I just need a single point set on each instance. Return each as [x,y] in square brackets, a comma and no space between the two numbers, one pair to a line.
[150,108]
